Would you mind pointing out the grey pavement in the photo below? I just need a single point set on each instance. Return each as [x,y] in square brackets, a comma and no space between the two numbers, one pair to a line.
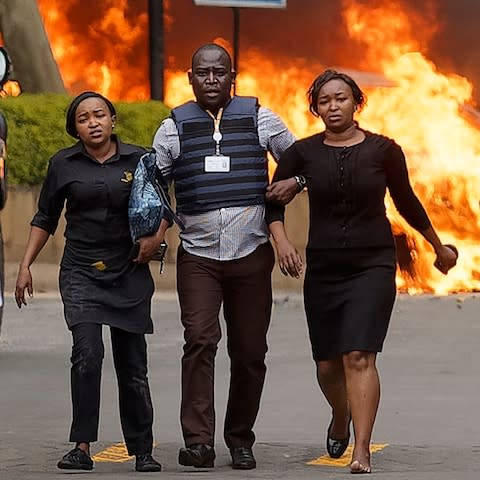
[428,414]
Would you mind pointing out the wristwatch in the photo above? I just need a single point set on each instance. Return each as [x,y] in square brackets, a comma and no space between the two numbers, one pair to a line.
[301,182]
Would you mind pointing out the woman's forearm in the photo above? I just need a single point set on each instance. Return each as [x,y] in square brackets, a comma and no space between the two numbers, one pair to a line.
[431,236]
[36,241]
[278,232]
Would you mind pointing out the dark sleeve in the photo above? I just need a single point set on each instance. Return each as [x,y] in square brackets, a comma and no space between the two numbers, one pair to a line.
[50,202]
[404,198]
[289,165]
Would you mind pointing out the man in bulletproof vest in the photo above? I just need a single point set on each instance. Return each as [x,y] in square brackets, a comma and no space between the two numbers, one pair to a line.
[214,150]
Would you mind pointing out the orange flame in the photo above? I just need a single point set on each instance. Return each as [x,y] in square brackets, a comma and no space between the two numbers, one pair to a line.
[424,110]
[98,54]
[10,89]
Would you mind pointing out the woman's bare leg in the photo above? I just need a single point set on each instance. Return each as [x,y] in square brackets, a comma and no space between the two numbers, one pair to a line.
[363,390]
[331,378]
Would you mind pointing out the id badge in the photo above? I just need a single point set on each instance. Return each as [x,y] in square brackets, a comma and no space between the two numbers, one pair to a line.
[217,163]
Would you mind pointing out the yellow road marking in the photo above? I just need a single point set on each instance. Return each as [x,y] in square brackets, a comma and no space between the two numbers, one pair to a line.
[116,453]
[346,458]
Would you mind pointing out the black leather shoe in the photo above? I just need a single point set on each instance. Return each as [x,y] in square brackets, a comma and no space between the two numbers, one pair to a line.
[199,456]
[335,447]
[146,463]
[242,458]
[76,459]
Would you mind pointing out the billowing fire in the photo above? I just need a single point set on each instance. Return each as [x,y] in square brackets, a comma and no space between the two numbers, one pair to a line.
[98,48]
[423,113]
[424,110]
[11,88]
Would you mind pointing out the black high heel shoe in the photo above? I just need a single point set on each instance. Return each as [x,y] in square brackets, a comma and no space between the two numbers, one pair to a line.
[336,448]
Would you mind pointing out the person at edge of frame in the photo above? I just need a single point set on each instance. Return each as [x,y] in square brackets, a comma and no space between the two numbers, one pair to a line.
[214,150]
[349,285]
[99,283]
[3,199]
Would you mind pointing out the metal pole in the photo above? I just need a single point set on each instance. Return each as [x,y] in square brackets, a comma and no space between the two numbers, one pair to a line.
[236,41]
[155,24]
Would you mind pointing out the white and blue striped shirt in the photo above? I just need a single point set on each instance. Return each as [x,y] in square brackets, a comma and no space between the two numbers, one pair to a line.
[224,233]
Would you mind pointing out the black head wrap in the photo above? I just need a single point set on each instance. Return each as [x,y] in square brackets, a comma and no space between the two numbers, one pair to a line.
[72,109]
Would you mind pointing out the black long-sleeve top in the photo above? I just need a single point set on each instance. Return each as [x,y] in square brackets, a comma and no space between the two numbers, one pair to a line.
[96,196]
[346,189]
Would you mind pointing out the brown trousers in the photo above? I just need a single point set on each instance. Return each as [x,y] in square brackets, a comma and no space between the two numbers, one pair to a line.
[244,287]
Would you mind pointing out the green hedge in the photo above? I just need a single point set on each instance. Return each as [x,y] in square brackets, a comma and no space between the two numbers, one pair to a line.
[36,130]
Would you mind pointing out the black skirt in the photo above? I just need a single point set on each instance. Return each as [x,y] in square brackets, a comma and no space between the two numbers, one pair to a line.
[349,296]
[117,294]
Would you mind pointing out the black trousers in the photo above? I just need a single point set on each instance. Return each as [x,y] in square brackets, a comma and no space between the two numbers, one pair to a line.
[130,360]
[244,288]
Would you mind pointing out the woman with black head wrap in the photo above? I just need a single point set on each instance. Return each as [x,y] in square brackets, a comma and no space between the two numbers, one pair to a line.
[99,283]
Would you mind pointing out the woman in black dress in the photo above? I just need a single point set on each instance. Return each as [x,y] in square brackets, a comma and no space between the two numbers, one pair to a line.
[349,287]
[99,284]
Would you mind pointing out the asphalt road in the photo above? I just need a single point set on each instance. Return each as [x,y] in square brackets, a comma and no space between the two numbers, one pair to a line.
[427,427]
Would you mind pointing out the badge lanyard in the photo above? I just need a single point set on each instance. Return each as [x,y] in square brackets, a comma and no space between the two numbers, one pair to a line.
[217,135]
